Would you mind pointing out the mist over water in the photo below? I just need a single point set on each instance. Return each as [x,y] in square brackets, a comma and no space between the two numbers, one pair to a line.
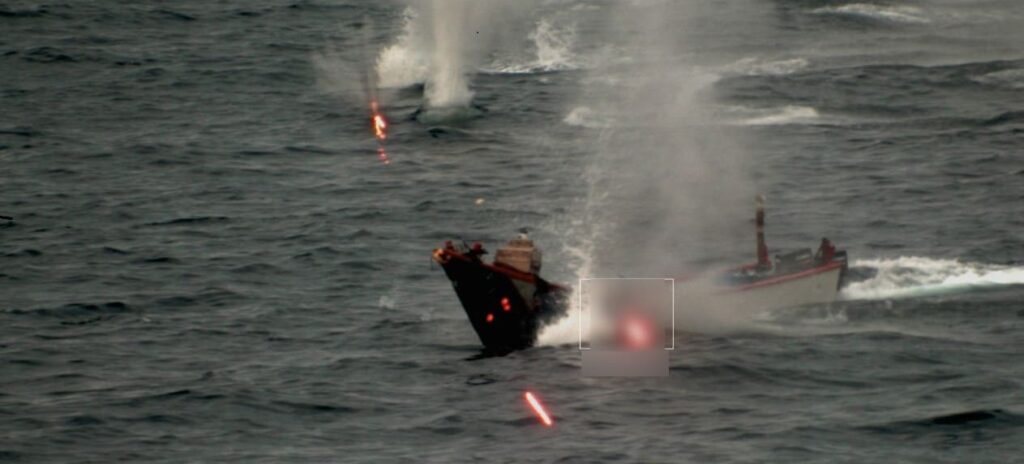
[553,45]
[443,43]
[406,62]
[669,188]
[667,178]
[453,30]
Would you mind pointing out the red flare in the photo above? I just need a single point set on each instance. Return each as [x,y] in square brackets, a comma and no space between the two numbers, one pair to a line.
[636,332]
[380,125]
[383,156]
[538,409]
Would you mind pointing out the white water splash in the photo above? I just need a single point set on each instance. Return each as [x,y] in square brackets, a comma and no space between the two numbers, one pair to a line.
[405,63]
[655,164]
[442,42]
[585,116]
[448,84]
[580,253]
[896,14]
[565,331]
[386,301]
[554,51]
[911,276]
[554,46]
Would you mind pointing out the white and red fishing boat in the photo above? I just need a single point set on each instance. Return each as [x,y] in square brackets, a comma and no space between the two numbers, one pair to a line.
[775,280]
[789,280]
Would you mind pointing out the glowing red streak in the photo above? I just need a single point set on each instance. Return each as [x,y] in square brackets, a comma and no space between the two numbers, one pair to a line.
[538,409]
[383,156]
[505,305]
[490,318]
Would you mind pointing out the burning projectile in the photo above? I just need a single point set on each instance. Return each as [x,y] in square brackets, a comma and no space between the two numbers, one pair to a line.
[380,131]
[380,125]
[538,409]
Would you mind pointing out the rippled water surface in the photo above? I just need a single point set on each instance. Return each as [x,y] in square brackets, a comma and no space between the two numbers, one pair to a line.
[210,261]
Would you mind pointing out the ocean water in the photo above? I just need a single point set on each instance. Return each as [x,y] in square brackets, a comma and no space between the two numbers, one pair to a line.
[209,260]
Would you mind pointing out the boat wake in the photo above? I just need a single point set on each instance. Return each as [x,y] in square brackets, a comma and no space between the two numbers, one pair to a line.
[911,276]
[874,279]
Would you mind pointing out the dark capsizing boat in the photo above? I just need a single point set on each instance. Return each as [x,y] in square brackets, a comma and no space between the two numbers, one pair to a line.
[507,301]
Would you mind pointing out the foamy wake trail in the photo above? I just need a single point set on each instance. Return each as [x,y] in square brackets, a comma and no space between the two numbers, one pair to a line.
[894,278]
[897,14]
[911,276]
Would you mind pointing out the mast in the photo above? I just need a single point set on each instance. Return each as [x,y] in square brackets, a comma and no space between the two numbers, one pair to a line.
[762,249]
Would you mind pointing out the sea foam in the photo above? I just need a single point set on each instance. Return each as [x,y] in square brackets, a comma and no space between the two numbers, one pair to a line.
[912,276]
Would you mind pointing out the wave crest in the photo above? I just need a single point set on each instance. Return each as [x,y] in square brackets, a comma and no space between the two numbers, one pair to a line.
[786,115]
[760,67]
[896,14]
[1011,78]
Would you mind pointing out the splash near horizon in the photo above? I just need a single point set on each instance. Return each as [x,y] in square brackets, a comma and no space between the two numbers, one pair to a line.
[448,84]
[441,44]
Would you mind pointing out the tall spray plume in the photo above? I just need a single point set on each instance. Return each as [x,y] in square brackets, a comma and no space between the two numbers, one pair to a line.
[669,187]
[443,43]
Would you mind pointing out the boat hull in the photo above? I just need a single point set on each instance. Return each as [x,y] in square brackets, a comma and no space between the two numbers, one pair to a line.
[815,286]
[506,308]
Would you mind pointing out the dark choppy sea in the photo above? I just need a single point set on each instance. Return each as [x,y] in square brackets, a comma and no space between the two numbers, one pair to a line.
[210,262]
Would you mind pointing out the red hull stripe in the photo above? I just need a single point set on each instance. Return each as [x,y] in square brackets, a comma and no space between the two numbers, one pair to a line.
[508,272]
[785,278]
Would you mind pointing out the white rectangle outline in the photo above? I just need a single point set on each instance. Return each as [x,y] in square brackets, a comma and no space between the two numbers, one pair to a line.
[579,300]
